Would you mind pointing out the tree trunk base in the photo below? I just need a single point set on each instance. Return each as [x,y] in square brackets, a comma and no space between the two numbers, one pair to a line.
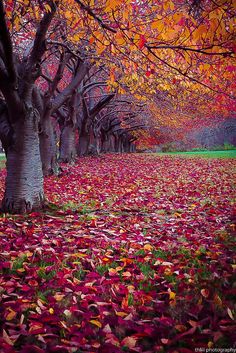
[24,181]
[21,206]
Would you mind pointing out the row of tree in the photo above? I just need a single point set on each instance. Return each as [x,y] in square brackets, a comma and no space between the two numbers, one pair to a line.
[54,91]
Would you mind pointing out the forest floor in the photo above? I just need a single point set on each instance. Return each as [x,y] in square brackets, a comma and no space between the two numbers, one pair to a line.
[134,253]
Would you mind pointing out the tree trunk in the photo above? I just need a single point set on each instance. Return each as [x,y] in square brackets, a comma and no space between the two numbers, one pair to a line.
[105,145]
[132,147]
[24,181]
[48,148]
[120,145]
[83,145]
[97,144]
[67,144]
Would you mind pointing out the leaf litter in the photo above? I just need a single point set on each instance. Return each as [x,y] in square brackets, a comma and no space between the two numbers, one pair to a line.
[134,253]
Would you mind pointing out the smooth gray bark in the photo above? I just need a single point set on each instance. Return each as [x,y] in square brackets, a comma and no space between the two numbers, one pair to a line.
[48,148]
[67,144]
[83,144]
[24,181]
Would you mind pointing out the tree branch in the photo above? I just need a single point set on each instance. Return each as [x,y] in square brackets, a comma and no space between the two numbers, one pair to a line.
[64,95]
[7,50]
[91,13]
[100,105]
[180,47]
[39,46]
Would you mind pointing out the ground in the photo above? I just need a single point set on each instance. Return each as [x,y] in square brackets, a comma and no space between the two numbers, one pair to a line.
[135,253]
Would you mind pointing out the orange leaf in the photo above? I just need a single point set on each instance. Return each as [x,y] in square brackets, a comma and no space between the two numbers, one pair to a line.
[96,323]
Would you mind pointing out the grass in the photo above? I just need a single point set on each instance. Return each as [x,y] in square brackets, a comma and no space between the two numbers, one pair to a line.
[2,160]
[207,154]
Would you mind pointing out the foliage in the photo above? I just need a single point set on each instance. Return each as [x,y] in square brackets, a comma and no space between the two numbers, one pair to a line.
[158,257]
[176,58]
[225,147]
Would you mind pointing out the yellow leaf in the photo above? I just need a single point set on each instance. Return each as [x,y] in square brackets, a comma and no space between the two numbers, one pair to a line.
[172,295]
[157,25]
[47,8]
[11,314]
[148,247]
[121,313]
[79,254]
[76,37]
[96,323]
[210,344]
[171,5]
[51,311]
[20,270]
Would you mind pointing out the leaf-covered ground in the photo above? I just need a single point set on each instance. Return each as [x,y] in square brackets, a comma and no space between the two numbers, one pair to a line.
[134,254]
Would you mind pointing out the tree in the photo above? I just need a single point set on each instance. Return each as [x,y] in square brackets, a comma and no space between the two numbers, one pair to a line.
[24,181]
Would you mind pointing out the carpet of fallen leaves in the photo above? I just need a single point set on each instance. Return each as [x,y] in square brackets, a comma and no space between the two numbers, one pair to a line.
[134,254]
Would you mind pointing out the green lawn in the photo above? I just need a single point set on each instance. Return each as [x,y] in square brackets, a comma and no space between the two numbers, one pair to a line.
[207,154]
[2,160]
